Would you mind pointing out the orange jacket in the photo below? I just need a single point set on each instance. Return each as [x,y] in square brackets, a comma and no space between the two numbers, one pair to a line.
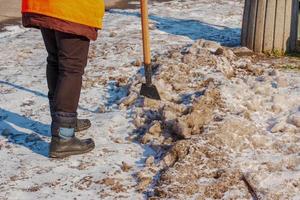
[86,12]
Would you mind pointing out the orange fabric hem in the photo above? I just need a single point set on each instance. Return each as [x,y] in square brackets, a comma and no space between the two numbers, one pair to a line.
[33,20]
[97,25]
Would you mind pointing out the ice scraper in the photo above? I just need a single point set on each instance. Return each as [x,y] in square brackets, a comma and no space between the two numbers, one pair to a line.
[148,89]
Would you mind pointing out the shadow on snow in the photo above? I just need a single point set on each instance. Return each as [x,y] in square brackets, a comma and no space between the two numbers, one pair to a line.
[8,123]
[40,94]
[192,29]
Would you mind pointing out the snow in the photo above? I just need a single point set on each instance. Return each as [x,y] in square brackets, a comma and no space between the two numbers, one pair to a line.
[12,30]
[254,103]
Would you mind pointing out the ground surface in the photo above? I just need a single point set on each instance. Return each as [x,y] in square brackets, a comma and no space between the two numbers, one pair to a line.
[225,113]
[9,10]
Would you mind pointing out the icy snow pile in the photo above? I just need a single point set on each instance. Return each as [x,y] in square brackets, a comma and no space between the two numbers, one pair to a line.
[221,117]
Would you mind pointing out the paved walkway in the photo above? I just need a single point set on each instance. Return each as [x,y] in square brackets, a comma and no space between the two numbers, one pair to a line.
[9,10]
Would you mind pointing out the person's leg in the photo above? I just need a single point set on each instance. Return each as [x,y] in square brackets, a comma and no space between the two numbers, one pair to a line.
[52,74]
[72,54]
[72,59]
[52,64]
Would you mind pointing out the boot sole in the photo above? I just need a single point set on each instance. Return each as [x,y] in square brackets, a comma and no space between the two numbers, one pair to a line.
[82,129]
[70,153]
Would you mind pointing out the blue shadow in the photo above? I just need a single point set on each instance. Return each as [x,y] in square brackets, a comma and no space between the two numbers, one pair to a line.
[40,94]
[192,29]
[31,141]
[24,89]
[115,93]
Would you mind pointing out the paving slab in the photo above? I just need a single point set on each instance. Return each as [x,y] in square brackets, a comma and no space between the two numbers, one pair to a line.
[10,9]
[10,12]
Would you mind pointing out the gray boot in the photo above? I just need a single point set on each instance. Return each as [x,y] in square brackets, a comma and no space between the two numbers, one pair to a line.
[63,142]
[81,124]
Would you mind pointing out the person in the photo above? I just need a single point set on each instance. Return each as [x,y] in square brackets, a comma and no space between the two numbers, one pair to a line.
[67,28]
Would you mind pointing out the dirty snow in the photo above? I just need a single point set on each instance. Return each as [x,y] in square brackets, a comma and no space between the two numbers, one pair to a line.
[222,115]
[10,31]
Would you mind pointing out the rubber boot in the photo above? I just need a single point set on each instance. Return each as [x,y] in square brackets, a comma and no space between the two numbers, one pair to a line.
[63,141]
[81,124]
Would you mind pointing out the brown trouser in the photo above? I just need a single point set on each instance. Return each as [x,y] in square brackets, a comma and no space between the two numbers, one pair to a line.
[67,58]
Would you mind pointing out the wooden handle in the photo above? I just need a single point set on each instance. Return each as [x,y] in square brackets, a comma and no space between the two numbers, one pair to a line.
[145,31]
